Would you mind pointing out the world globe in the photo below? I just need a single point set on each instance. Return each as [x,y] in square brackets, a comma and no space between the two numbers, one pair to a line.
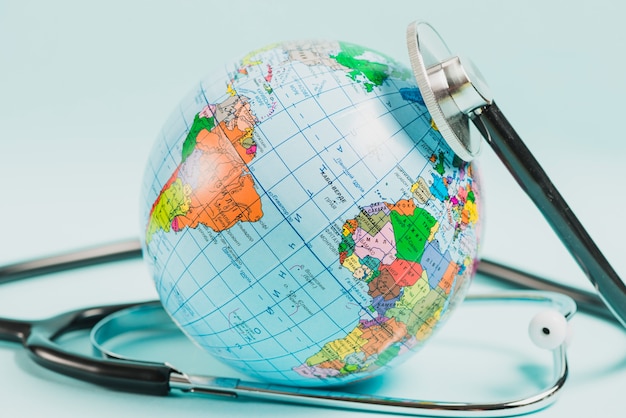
[304,220]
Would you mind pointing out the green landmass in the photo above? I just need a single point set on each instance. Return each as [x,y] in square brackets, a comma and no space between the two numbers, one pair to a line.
[199,123]
[375,72]
[439,166]
[349,369]
[346,244]
[411,233]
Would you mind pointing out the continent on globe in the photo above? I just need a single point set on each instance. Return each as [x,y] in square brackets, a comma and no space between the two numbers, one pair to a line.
[212,185]
[360,64]
[392,246]
[363,62]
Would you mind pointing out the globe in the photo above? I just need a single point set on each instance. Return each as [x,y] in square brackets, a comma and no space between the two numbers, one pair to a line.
[303,219]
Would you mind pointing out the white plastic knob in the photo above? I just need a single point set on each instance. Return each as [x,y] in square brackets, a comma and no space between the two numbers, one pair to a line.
[548,329]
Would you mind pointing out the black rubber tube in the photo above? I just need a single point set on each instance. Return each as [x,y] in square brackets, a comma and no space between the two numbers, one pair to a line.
[531,177]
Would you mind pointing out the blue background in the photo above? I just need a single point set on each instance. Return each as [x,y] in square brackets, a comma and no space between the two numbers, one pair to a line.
[86,86]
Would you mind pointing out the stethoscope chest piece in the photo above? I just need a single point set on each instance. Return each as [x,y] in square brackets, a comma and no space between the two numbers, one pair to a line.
[452,88]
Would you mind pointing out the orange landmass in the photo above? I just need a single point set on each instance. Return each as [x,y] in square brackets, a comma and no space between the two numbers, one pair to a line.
[404,207]
[350,226]
[448,277]
[213,186]
[332,364]
[379,337]
[225,192]
[404,272]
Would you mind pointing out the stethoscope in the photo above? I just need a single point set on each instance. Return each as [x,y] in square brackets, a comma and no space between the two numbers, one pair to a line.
[454,94]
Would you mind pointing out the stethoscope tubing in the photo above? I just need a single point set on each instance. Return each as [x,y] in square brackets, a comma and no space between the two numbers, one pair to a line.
[153,316]
[531,177]
[39,338]
[104,253]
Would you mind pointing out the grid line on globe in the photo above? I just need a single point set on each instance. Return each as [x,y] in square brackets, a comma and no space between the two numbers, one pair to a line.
[304,220]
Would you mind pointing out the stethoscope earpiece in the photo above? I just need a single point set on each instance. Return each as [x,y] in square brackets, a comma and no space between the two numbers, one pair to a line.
[549,329]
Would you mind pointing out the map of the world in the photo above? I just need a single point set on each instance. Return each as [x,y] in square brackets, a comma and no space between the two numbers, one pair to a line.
[304,220]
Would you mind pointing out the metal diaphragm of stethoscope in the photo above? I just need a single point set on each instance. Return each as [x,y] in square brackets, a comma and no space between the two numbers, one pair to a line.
[455,95]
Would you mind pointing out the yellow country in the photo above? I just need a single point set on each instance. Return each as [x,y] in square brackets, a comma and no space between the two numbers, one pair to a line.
[348,345]
[414,293]
[352,262]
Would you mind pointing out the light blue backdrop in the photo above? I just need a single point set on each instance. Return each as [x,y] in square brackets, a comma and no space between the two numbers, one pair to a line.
[85,87]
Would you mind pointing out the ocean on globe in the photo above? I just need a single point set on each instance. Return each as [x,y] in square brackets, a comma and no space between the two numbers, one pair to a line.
[303,218]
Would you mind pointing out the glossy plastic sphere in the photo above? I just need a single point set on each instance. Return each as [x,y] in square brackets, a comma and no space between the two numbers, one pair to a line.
[303,218]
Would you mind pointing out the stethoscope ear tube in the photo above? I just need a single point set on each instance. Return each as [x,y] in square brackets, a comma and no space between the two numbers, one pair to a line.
[587,302]
[149,379]
[531,177]
[101,254]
